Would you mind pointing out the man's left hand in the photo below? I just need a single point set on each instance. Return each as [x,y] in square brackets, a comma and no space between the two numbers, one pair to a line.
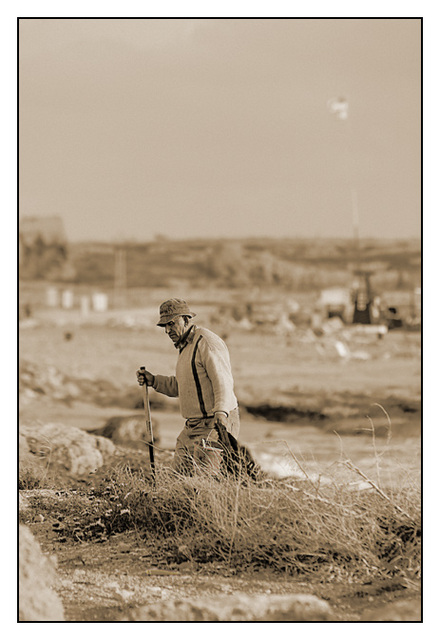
[220,419]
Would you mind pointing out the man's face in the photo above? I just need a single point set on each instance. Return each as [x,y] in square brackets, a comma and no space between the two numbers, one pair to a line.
[176,328]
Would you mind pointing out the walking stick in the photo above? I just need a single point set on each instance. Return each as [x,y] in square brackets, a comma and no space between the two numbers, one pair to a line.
[149,428]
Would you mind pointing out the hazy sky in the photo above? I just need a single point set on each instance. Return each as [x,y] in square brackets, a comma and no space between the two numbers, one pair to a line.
[129,128]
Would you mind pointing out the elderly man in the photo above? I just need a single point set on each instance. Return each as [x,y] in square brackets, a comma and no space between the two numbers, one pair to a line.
[203,383]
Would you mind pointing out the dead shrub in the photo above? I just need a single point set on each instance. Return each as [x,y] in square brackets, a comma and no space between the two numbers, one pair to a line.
[335,535]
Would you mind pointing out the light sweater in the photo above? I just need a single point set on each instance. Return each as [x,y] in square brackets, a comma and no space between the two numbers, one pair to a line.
[203,380]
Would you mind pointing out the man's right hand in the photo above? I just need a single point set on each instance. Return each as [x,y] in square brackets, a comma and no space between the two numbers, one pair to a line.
[144,376]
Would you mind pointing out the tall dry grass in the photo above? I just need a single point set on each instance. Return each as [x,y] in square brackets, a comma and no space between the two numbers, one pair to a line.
[334,530]
[335,534]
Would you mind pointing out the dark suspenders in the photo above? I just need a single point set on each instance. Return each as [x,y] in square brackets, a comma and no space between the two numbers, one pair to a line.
[197,379]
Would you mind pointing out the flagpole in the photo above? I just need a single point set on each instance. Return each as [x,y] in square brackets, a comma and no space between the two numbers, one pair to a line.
[339,107]
[355,212]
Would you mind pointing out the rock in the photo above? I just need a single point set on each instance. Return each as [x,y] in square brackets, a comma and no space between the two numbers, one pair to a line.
[408,610]
[68,448]
[38,601]
[238,607]
[23,448]
[128,431]
[23,503]
[31,467]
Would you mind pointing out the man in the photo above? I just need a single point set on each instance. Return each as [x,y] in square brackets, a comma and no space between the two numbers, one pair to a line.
[203,383]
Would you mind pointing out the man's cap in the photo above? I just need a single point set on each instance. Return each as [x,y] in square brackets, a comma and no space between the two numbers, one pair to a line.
[172,308]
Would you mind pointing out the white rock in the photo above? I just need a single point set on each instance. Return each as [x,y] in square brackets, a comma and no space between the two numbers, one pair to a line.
[68,447]
[236,608]
[38,602]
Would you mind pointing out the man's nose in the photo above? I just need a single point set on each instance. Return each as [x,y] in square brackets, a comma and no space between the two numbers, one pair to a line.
[167,328]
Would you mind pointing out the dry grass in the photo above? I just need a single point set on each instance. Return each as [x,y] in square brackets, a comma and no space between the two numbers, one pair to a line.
[287,528]
[334,530]
[334,534]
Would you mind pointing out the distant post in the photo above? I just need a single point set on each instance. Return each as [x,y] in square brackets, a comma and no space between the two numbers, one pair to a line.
[120,276]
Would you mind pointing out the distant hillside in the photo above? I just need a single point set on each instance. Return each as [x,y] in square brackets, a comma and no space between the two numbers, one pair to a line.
[286,263]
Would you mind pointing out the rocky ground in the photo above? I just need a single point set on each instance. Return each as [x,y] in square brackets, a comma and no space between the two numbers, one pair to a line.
[123,579]
[295,391]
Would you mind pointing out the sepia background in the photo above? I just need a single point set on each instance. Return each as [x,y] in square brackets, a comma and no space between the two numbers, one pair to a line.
[201,128]
[268,171]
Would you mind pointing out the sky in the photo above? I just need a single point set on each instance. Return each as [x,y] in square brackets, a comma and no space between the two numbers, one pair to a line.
[191,128]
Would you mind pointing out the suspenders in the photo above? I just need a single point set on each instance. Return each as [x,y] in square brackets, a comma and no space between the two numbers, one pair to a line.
[197,380]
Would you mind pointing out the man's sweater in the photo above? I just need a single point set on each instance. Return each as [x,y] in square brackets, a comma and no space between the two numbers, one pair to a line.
[203,380]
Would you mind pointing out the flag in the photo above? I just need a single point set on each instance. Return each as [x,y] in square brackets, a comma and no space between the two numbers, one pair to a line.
[339,107]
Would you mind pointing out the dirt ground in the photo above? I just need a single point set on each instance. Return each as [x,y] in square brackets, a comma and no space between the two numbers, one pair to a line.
[307,374]
[104,582]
